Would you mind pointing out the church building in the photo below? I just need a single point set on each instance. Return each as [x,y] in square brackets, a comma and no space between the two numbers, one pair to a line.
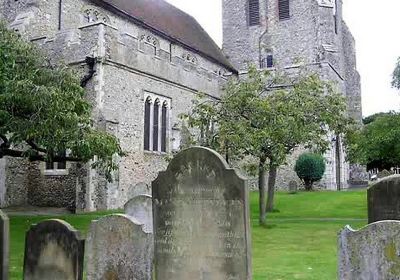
[145,61]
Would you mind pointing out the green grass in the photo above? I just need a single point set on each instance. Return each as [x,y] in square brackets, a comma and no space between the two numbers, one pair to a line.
[299,241]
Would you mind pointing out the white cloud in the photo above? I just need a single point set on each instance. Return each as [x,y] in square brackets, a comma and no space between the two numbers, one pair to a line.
[374,26]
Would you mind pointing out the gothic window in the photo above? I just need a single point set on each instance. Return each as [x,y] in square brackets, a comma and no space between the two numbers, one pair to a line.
[254,12]
[164,127]
[284,9]
[156,124]
[156,114]
[147,108]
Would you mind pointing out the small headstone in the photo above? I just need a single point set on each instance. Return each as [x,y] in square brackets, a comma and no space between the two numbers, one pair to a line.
[201,219]
[139,189]
[384,173]
[384,199]
[141,209]
[4,245]
[370,253]
[117,248]
[293,186]
[53,250]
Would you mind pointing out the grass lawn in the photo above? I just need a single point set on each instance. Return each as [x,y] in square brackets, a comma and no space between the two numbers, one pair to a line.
[298,243]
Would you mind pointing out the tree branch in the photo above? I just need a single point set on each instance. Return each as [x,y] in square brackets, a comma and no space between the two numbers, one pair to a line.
[35,146]
[36,157]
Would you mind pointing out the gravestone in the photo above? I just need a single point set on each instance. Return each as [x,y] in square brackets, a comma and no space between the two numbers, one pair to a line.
[293,186]
[384,173]
[117,248]
[384,199]
[201,219]
[4,245]
[372,253]
[53,250]
[141,209]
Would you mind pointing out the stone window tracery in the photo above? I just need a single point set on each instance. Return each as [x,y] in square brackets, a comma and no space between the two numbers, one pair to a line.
[92,15]
[156,124]
[189,58]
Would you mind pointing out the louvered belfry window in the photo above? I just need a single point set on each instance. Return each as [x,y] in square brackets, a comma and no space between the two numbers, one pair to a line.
[284,9]
[147,109]
[254,12]
[156,124]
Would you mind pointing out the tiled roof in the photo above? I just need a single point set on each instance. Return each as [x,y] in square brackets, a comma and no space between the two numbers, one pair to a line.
[173,23]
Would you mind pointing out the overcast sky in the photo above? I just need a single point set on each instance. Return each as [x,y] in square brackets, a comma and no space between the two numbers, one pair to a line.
[375,28]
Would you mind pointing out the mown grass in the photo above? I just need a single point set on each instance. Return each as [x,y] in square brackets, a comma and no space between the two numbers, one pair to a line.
[299,241]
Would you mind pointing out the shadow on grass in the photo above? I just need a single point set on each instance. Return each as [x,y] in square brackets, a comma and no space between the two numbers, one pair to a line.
[268,226]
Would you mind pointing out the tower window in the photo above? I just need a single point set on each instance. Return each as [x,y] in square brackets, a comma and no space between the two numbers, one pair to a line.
[164,127]
[284,9]
[267,62]
[254,12]
[335,16]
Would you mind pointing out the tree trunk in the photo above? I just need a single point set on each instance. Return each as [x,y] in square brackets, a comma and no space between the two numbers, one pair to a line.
[271,187]
[261,189]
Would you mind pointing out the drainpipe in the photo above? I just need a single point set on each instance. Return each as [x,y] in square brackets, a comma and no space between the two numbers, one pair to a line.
[59,14]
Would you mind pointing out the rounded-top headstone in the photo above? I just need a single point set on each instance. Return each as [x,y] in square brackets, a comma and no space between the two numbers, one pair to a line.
[141,209]
[201,219]
[384,199]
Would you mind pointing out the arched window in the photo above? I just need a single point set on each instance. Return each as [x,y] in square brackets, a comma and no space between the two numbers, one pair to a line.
[164,127]
[156,124]
[147,108]
[254,12]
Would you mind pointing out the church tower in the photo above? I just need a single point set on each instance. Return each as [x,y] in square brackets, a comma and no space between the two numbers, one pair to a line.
[287,34]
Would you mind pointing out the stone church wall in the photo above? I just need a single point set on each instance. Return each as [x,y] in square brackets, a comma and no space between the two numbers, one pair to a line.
[131,63]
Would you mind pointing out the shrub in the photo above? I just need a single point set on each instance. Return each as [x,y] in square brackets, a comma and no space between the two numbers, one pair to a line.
[310,168]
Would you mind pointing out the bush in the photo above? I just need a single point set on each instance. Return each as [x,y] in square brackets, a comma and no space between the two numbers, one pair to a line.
[310,168]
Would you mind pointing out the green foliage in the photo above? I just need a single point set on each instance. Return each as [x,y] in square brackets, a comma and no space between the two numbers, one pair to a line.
[310,168]
[258,117]
[377,144]
[43,111]
[396,75]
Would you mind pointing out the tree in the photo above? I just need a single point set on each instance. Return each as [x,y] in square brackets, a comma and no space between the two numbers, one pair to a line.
[377,144]
[310,168]
[259,117]
[396,75]
[43,112]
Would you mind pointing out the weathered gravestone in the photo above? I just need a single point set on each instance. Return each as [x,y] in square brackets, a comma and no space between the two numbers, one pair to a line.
[117,248]
[201,219]
[384,200]
[293,186]
[53,250]
[372,253]
[141,209]
[4,245]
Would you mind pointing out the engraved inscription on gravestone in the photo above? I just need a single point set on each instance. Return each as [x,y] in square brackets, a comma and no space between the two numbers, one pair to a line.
[4,245]
[370,253]
[384,200]
[53,250]
[118,248]
[201,219]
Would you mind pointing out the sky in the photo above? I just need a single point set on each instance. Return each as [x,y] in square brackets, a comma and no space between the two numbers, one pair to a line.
[374,27]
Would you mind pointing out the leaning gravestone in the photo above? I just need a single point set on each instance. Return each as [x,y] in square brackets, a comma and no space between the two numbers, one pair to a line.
[118,248]
[384,200]
[141,209]
[53,250]
[4,245]
[371,253]
[201,219]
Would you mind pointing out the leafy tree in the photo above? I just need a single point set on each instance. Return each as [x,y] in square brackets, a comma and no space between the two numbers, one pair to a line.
[396,75]
[377,144]
[259,117]
[310,168]
[43,112]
